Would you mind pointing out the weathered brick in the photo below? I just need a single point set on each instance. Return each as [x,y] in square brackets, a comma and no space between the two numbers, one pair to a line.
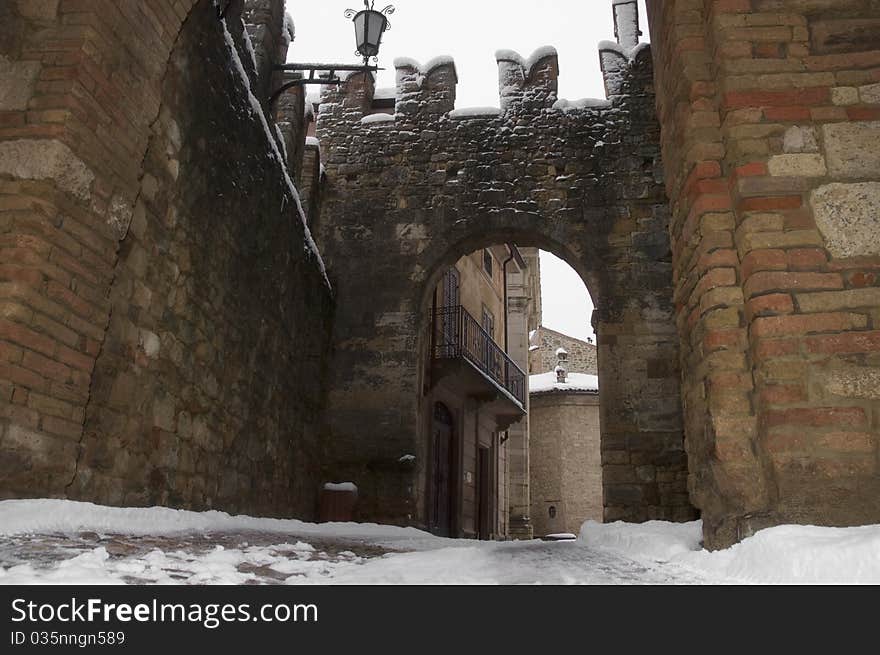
[752,169]
[26,378]
[807,96]
[769,305]
[723,339]
[847,442]
[763,282]
[46,367]
[775,326]
[773,348]
[770,203]
[800,165]
[807,259]
[763,260]
[787,114]
[54,425]
[829,301]
[817,417]
[778,240]
[26,337]
[783,394]
[854,342]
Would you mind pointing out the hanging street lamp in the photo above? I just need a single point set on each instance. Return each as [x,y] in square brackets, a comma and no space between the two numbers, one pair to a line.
[369,25]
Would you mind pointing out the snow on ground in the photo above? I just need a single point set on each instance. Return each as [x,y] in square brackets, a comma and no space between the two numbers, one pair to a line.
[67,542]
[47,516]
[785,554]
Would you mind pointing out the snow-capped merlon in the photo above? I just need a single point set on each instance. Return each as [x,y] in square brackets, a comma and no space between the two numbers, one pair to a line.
[533,78]
[423,71]
[626,23]
[427,88]
[627,54]
[615,60]
[526,63]
[340,486]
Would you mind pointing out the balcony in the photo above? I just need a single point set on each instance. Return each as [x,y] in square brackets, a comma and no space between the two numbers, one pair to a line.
[460,346]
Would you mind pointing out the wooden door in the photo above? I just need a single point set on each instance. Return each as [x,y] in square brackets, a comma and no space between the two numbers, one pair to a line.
[484,504]
[441,488]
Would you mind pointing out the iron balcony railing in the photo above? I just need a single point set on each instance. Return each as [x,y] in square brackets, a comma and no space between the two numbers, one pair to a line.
[457,334]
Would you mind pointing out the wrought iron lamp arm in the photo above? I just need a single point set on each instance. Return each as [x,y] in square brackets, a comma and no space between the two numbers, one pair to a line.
[312,69]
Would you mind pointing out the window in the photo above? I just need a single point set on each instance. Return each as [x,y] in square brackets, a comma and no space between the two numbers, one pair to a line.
[487,262]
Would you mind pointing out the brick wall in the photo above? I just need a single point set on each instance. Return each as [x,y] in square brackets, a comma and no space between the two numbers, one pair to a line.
[153,270]
[770,111]
[81,87]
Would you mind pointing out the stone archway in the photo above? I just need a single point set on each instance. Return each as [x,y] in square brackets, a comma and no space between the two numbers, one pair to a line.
[407,194]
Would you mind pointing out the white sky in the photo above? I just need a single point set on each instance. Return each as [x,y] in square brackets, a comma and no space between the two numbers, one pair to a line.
[471,32]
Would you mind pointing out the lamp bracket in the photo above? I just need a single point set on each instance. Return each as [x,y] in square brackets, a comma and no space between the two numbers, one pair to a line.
[315,75]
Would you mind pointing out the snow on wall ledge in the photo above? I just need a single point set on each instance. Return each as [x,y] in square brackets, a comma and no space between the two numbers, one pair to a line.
[525,84]
[274,152]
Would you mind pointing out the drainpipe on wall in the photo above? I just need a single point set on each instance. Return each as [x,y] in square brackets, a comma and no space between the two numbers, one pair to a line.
[504,264]
[504,275]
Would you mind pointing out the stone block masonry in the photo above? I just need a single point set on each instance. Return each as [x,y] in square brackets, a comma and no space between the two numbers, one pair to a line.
[408,193]
[772,152]
[582,355]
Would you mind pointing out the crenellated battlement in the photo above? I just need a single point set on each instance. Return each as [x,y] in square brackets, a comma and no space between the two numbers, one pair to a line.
[425,93]
[528,82]
[617,57]
[425,89]
[616,62]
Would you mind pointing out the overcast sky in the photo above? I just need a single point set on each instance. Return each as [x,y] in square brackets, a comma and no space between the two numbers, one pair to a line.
[471,32]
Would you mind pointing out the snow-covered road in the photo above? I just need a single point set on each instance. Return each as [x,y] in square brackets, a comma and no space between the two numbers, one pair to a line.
[66,542]
[271,558]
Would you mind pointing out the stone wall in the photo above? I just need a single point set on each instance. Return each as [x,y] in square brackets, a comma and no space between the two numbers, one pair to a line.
[565,459]
[772,148]
[582,355]
[163,319]
[411,192]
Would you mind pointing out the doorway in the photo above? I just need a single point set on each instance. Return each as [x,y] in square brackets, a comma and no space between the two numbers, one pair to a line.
[484,504]
[442,480]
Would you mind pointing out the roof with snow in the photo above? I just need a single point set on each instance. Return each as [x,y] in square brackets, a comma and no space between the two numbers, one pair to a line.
[575,383]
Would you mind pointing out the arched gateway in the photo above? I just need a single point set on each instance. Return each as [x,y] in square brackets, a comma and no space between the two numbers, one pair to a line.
[164,319]
[408,193]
